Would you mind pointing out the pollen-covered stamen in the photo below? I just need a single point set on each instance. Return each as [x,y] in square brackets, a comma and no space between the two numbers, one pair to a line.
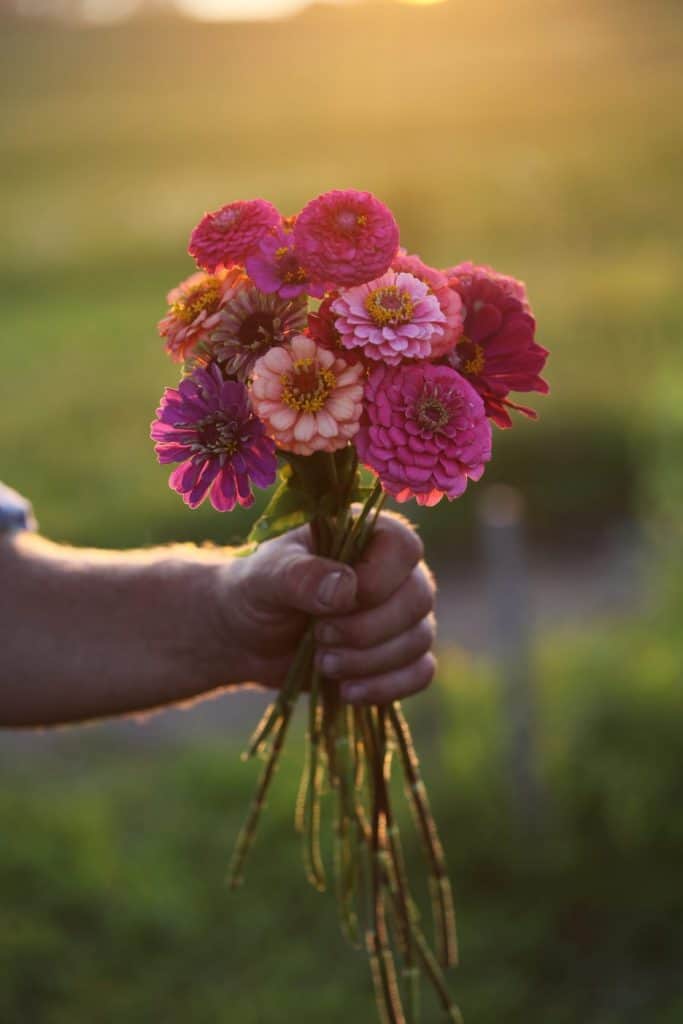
[307,386]
[288,266]
[206,296]
[431,411]
[389,306]
[258,330]
[349,221]
[469,357]
[217,436]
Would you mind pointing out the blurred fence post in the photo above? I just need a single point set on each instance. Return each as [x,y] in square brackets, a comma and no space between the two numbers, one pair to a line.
[501,516]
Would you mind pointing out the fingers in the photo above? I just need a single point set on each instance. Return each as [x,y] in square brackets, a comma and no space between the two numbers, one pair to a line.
[283,574]
[369,627]
[392,553]
[346,663]
[390,686]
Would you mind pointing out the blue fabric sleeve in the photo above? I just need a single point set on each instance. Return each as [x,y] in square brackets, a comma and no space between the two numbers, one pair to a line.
[15,512]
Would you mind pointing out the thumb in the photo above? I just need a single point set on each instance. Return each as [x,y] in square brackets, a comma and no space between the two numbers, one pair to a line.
[293,578]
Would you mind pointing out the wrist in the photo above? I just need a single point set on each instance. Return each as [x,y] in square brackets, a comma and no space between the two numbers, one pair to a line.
[219,642]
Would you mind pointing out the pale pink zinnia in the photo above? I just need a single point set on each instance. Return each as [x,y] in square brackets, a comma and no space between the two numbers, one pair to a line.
[345,237]
[393,318]
[309,398]
[449,301]
[424,432]
[194,310]
[232,233]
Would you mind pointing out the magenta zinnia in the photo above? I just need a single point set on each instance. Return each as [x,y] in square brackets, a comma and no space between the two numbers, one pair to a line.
[393,318]
[424,432]
[309,398]
[345,237]
[497,352]
[207,425]
[251,324]
[227,236]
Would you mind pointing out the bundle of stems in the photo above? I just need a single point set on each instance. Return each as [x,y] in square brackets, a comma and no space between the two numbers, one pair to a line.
[350,753]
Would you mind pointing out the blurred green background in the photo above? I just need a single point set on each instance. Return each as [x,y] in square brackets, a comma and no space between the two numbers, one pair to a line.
[542,137]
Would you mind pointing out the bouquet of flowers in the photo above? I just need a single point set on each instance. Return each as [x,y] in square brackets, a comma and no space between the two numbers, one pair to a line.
[315,348]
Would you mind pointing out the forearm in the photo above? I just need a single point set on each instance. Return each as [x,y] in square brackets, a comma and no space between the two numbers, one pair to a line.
[94,633]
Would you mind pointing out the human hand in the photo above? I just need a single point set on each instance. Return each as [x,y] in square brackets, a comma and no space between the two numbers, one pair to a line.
[375,622]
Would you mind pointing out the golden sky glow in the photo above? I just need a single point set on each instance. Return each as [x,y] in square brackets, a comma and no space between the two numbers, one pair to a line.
[242,9]
[251,9]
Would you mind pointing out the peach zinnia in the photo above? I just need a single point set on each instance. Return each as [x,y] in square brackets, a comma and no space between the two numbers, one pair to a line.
[309,398]
[195,310]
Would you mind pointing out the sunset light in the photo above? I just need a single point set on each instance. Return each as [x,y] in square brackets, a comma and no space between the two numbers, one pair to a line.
[243,10]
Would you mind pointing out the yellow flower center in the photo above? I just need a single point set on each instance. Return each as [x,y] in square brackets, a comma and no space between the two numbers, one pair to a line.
[307,386]
[389,306]
[473,360]
[290,272]
[204,296]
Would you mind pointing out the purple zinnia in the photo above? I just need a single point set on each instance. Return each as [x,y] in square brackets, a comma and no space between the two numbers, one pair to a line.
[207,425]
[275,267]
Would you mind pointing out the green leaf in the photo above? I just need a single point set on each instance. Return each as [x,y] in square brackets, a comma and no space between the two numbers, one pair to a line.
[289,507]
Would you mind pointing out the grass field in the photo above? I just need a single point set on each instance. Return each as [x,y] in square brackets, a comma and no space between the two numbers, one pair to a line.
[112,868]
[536,137]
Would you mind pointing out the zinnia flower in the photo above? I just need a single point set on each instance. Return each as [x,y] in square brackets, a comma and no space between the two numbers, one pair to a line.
[207,425]
[195,310]
[232,233]
[393,318]
[275,267]
[249,325]
[424,432]
[497,352]
[449,300]
[468,270]
[309,398]
[345,237]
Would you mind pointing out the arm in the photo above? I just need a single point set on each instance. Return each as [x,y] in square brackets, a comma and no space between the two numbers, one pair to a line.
[89,633]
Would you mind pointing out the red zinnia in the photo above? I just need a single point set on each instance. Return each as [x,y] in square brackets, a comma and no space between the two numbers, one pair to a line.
[497,352]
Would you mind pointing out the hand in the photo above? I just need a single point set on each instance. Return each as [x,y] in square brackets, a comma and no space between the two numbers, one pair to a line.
[375,623]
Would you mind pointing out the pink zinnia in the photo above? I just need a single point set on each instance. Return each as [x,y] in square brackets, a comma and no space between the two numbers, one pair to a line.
[449,301]
[275,267]
[424,432]
[207,425]
[467,271]
[232,233]
[309,399]
[393,318]
[194,311]
[497,352]
[345,237]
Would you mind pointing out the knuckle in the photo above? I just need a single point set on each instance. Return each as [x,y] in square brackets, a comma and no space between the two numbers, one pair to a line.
[421,592]
[425,633]
[359,633]
[426,672]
